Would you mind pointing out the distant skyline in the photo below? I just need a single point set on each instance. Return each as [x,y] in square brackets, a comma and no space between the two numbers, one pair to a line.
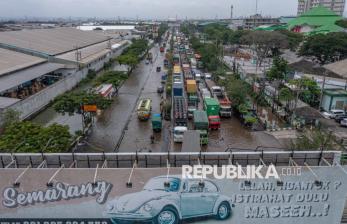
[144,9]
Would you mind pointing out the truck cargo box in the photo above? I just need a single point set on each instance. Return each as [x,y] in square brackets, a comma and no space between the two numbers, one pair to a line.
[191,86]
[200,120]
[177,89]
[211,106]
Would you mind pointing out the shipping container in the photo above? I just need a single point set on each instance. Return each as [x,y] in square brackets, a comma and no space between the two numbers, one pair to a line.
[211,106]
[191,86]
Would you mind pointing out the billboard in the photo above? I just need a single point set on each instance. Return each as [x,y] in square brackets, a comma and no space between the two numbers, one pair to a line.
[76,196]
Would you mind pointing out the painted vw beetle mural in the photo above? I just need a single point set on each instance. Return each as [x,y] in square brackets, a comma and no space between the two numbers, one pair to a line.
[168,200]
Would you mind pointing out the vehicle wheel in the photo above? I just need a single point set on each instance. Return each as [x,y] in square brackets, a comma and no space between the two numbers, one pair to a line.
[224,211]
[168,215]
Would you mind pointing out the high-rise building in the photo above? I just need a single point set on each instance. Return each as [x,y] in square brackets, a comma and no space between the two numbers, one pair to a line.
[336,6]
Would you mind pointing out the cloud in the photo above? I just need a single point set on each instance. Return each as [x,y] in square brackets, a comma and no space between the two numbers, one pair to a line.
[161,9]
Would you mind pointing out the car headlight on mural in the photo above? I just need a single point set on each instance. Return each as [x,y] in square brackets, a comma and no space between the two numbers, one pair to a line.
[147,207]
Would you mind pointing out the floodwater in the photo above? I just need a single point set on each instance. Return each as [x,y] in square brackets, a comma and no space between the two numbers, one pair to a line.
[119,130]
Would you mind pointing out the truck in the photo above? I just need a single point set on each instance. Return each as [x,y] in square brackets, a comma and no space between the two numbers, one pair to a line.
[214,89]
[156,122]
[219,94]
[212,108]
[201,125]
[191,86]
[180,111]
[177,89]
[150,56]
[191,141]
[176,59]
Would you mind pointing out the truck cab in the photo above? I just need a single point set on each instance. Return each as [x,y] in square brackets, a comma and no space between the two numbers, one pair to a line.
[179,133]
[214,122]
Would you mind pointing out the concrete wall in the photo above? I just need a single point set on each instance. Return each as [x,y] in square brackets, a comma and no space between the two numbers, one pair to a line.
[33,104]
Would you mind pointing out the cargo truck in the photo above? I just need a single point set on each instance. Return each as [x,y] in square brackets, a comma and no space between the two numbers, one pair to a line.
[177,89]
[219,94]
[180,111]
[212,108]
[201,124]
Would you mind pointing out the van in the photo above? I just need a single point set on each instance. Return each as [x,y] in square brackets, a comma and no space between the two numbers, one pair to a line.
[334,113]
[179,133]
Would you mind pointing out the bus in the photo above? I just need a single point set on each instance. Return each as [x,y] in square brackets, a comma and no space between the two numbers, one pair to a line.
[144,109]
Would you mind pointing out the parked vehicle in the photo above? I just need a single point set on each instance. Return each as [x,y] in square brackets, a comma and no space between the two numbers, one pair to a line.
[191,87]
[150,56]
[156,122]
[192,106]
[106,90]
[179,133]
[180,111]
[166,62]
[162,49]
[144,109]
[214,89]
[344,122]
[201,124]
[333,113]
[158,69]
[211,106]
[339,118]
[170,200]
[163,78]
[160,89]
[214,122]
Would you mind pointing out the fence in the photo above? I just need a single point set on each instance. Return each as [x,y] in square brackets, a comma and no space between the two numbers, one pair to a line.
[150,160]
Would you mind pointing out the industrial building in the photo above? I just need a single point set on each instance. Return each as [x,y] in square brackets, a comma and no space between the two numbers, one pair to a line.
[337,6]
[38,65]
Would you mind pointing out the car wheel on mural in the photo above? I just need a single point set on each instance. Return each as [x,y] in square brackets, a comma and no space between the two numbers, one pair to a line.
[169,200]
[224,211]
[168,215]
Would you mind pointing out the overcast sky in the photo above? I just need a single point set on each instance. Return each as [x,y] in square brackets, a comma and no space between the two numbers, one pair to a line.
[153,9]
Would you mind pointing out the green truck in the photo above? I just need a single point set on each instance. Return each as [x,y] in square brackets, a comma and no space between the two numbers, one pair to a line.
[156,122]
[201,124]
[211,106]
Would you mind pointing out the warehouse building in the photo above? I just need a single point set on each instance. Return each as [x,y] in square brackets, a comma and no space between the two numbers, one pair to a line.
[38,65]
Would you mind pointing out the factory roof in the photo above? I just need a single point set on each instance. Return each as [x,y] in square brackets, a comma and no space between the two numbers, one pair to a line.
[18,78]
[50,41]
[11,61]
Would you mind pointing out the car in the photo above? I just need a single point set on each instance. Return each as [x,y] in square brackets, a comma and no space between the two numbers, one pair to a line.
[147,62]
[344,122]
[158,69]
[340,117]
[171,199]
[334,113]
[160,89]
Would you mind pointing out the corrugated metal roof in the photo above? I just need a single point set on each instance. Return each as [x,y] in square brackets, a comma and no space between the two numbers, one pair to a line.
[51,41]
[18,78]
[11,61]
[320,17]
[6,102]
[339,67]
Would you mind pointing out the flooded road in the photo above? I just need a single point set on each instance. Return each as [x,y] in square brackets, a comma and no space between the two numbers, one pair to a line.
[119,130]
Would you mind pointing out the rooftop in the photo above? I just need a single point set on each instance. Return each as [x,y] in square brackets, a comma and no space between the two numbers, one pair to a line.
[11,61]
[339,67]
[335,92]
[50,41]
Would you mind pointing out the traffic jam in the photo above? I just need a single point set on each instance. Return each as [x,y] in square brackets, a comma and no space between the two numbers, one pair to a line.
[198,106]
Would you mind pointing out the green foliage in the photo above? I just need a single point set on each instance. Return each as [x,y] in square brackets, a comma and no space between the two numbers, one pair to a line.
[342,23]
[314,140]
[250,120]
[265,43]
[309,90]
[325,48]
[131,55]
[111,77]
[279,69]
[30,137]
[286,94]
[294,39]
[10,116]
[71,102]
[237,91]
